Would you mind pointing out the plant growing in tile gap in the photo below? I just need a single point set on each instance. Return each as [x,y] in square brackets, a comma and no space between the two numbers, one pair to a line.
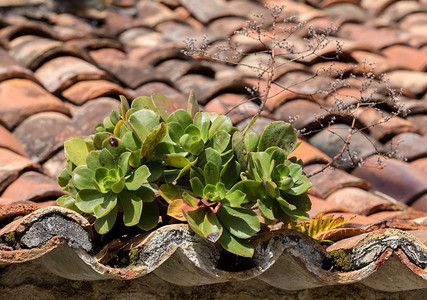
[209,174]
[278,37]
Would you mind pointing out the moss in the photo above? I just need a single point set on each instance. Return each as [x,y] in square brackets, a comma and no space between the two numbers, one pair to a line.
[338,260]
[133,257]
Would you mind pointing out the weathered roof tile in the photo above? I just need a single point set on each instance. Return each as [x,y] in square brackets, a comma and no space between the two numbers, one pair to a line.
[33,186]
[61,72]
[84,91]
[11,164]
[20,98]
[45,133]
[396,179]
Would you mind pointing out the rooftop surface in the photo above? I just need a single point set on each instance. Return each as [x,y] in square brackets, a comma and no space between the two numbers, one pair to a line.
[62,70]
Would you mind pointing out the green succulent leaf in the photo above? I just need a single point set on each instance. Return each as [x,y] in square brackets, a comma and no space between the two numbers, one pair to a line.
[186,141]
[132,207]
[137,178]
[301,201]
[193,105]
[181,117]
[106,159]
[82,178]
[251,141]
[65,201]
[156,170]
[279,134]
[143,102]
[211,173]
[211,155]
[63,178]
[131,141]
[234,198]
[211,227]
[86,200]
[265,205]
[150,216]
[145,192]
[175,131]
[195,219]
[92,160]
[153,139]
[123,163]
[189,199]
[221,139]
[170,192]
[99,138]
[176,160]
[164,106]
[119,185]
[135,158]
[202,121]
[230,172]
[102,209]
[115,146]
[220,123]
[76,151]
[240,222]
[239,148]
[124,105]
[106,223]
[197,147]
[197,186]
[143,122]
[254,190]
[292,210]
[301,186]
[235,245]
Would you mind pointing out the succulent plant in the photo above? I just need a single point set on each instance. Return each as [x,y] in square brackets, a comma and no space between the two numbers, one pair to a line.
[208,173]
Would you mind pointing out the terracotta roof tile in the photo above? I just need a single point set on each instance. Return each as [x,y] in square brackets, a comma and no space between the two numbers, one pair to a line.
[321,206]
[131,72]
[332,180]
[32,51]
[83,91]
[45,133]
[207,88]
[399,9]
[415,82]
[331,143]
[420,163]
[9,68]
[420,204]
[407,56]
[236,106]
[33,186]
[384,130]
[8,141]
[92,113]
[55,164]
[20,98]
[419,121]
[11,164]
[16,209]
[59,73]
[349,11]
[397,179]
[415,23]
[310,154]
[360,201]
[378,38]
[409,146]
